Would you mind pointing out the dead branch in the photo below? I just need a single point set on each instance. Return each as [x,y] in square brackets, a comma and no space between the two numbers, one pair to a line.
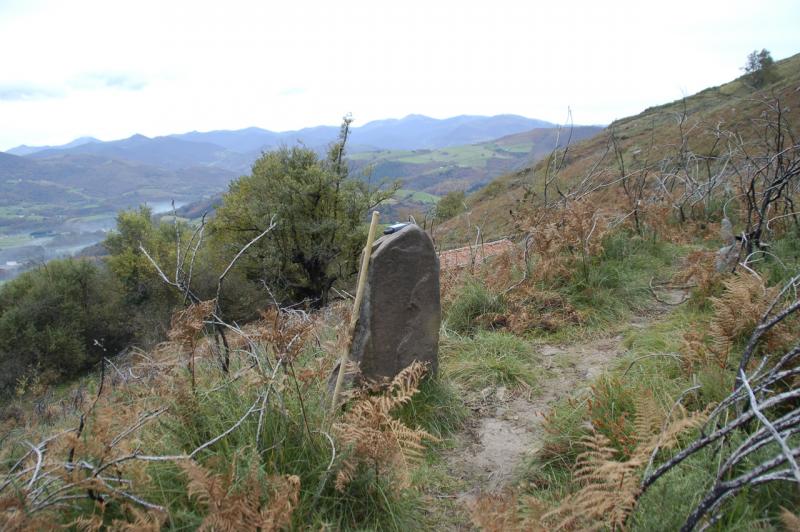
[765,395]
[663,302]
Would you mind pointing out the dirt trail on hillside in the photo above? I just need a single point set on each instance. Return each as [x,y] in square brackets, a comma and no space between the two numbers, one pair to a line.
[507,428]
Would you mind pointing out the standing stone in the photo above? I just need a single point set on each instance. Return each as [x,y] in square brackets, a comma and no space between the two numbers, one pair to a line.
[401,312]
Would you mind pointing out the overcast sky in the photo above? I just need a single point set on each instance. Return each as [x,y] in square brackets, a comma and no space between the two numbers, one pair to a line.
[109,68]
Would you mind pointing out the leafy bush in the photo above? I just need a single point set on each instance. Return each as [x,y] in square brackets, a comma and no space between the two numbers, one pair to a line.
[58,320]
[320,213]
[451,204]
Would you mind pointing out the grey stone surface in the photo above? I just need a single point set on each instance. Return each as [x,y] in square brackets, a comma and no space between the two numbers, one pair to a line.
[728,255]
[401,311]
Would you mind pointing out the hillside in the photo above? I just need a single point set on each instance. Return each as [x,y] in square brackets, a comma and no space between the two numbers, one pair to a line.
[468,167]
[407,266]
[40,192]
[627,360]
[422,132]
[165,152]
[705,124]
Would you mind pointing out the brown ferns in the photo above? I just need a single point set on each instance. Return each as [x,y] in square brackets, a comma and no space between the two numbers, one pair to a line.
[374,437]
[242,507]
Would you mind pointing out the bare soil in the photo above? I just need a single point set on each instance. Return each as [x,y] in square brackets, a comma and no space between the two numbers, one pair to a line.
[506,426]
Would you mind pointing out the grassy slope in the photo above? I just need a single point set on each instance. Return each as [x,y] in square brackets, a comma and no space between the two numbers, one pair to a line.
[606,296]
[732,106]
[466,167]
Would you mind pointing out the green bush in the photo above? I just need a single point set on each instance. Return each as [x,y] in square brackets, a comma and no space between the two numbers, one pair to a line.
[319,211]
[451,204]
[57,321]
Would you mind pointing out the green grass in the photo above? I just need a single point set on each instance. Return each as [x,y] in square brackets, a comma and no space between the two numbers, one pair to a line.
[783,262]
[93,217]
[415,195]
[13,241]
[469,155]
[614,285]
[680,490]
[520,148]
[490,359]
[437,407]
[473,300]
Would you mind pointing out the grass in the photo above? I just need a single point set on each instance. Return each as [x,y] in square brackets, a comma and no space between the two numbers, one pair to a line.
[437,407]
[293,440]
[490,359]
[652,364]
[680,491]
[614,284]
[13,241]
[467,155]
[649,365]
[784,260]
[415,195]
[473,300]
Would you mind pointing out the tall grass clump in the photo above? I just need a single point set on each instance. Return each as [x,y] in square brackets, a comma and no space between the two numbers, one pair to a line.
[472,302]
[490,359]
[437,407]
[617,279]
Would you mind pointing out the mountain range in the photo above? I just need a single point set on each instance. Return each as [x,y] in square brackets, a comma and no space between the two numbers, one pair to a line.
[411,132]
[79,187]
[87,176]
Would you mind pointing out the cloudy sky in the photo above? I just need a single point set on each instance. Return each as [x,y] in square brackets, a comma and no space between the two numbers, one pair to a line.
[111,68]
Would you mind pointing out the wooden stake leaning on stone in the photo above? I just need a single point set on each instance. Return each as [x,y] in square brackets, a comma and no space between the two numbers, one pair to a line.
[362,280]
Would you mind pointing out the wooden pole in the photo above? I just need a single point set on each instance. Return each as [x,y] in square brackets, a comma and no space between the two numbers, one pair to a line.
[362,281]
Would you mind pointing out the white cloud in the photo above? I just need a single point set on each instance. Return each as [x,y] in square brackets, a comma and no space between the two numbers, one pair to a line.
[111,69]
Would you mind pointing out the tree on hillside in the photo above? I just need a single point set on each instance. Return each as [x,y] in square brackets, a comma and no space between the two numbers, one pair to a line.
[147,300]
[760,68]
[320,213]
[451,204]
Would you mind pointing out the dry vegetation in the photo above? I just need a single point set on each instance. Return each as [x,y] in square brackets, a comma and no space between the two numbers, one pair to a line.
[229,427]
[153,418]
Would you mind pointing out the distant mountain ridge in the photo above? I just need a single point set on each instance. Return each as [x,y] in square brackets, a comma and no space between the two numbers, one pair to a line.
[71,184]
[235,150]
[52,187]
[408,133]
[166,152]
[28,150]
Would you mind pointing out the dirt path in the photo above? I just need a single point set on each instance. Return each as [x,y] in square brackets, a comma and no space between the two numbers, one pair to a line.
[506,428]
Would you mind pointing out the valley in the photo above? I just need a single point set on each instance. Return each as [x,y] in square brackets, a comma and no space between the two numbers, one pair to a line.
[57,200]
[630,345]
